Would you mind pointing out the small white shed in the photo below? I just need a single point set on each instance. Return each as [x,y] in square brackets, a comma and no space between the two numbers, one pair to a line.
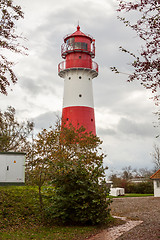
[156,183]
[116,192]
[12,168]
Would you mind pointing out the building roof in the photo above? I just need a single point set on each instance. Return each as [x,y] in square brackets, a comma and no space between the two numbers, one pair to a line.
[13,153]
[138,180]
[156,175]
[77,33]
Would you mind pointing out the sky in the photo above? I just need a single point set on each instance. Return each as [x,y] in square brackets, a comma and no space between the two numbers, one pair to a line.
[123,111]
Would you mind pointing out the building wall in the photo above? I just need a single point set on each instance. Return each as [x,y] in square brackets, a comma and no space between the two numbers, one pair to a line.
[157,188]
[116,192]
[12,168]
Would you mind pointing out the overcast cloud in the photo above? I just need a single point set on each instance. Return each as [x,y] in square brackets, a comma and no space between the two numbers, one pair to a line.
[124,112]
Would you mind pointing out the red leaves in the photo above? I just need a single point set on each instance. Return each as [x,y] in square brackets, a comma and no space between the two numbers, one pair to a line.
[9,41]
[146,67]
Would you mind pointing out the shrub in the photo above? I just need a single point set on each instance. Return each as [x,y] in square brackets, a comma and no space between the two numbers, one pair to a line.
[143,188]
[72,160]
[79,199]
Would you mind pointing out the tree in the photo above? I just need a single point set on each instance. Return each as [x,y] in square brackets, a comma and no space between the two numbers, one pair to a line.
[9,14]
[13,134]
[125,179]
[146,65]
[118,181]
[127,173]
[143,173]
[38,164]
[70,160]
[156,156]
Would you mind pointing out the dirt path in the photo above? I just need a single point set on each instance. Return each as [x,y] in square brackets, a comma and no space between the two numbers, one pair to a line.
[114,232]
[145,215]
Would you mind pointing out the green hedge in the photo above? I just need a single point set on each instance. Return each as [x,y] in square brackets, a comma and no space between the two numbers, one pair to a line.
[143,188]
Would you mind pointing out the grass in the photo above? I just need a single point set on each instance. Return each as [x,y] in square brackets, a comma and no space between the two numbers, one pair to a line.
[54,233]
[20,218]
[18,206]
[138,195]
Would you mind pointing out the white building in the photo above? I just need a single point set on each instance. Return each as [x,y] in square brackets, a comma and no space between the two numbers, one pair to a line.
[116,192]
[156,181]
[12,168]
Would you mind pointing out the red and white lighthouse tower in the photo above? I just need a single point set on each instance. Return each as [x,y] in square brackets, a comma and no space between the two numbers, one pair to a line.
[78,70]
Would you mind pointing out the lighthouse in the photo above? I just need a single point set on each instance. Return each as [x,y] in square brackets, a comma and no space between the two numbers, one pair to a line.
[78,69]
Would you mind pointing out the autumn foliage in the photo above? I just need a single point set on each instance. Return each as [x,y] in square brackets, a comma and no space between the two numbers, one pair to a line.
[14,135]
[71,161]
[146,62]
[9,14]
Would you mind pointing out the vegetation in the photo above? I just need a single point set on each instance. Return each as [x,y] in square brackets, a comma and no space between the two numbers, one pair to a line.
[139,195]
[18,207]
[156,156]
[13,134]
[70,160]
[146,62]
[142,187]
[126,177]
[20,218]
[9,14]
[50,233]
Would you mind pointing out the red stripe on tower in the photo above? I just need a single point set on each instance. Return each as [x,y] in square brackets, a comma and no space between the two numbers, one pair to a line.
[78,70]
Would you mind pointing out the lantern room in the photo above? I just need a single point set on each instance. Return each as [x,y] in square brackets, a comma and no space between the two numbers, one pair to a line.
[78,42]
[78,50]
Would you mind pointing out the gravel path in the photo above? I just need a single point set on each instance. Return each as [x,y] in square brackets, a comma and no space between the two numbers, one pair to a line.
[146,209]
[113,233]
[145,215]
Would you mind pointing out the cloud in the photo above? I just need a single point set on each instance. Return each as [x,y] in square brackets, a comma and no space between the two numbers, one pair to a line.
[46,120]
[123,110]
[44,84]
[138,129]
[106,131]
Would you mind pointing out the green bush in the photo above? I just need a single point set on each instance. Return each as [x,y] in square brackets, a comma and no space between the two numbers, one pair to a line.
[143,188]
[78,199]
[72,161]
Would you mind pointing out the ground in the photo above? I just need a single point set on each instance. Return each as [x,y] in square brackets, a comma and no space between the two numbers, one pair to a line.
[146,209]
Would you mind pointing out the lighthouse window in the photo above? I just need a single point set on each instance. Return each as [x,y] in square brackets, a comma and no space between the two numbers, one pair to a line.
[89,79]
[80,77]
[80,95]
[91,119]
[69,78]
[77,45]
[80,57]
[84,46]
[70,41]
[80,45]
[67,119]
